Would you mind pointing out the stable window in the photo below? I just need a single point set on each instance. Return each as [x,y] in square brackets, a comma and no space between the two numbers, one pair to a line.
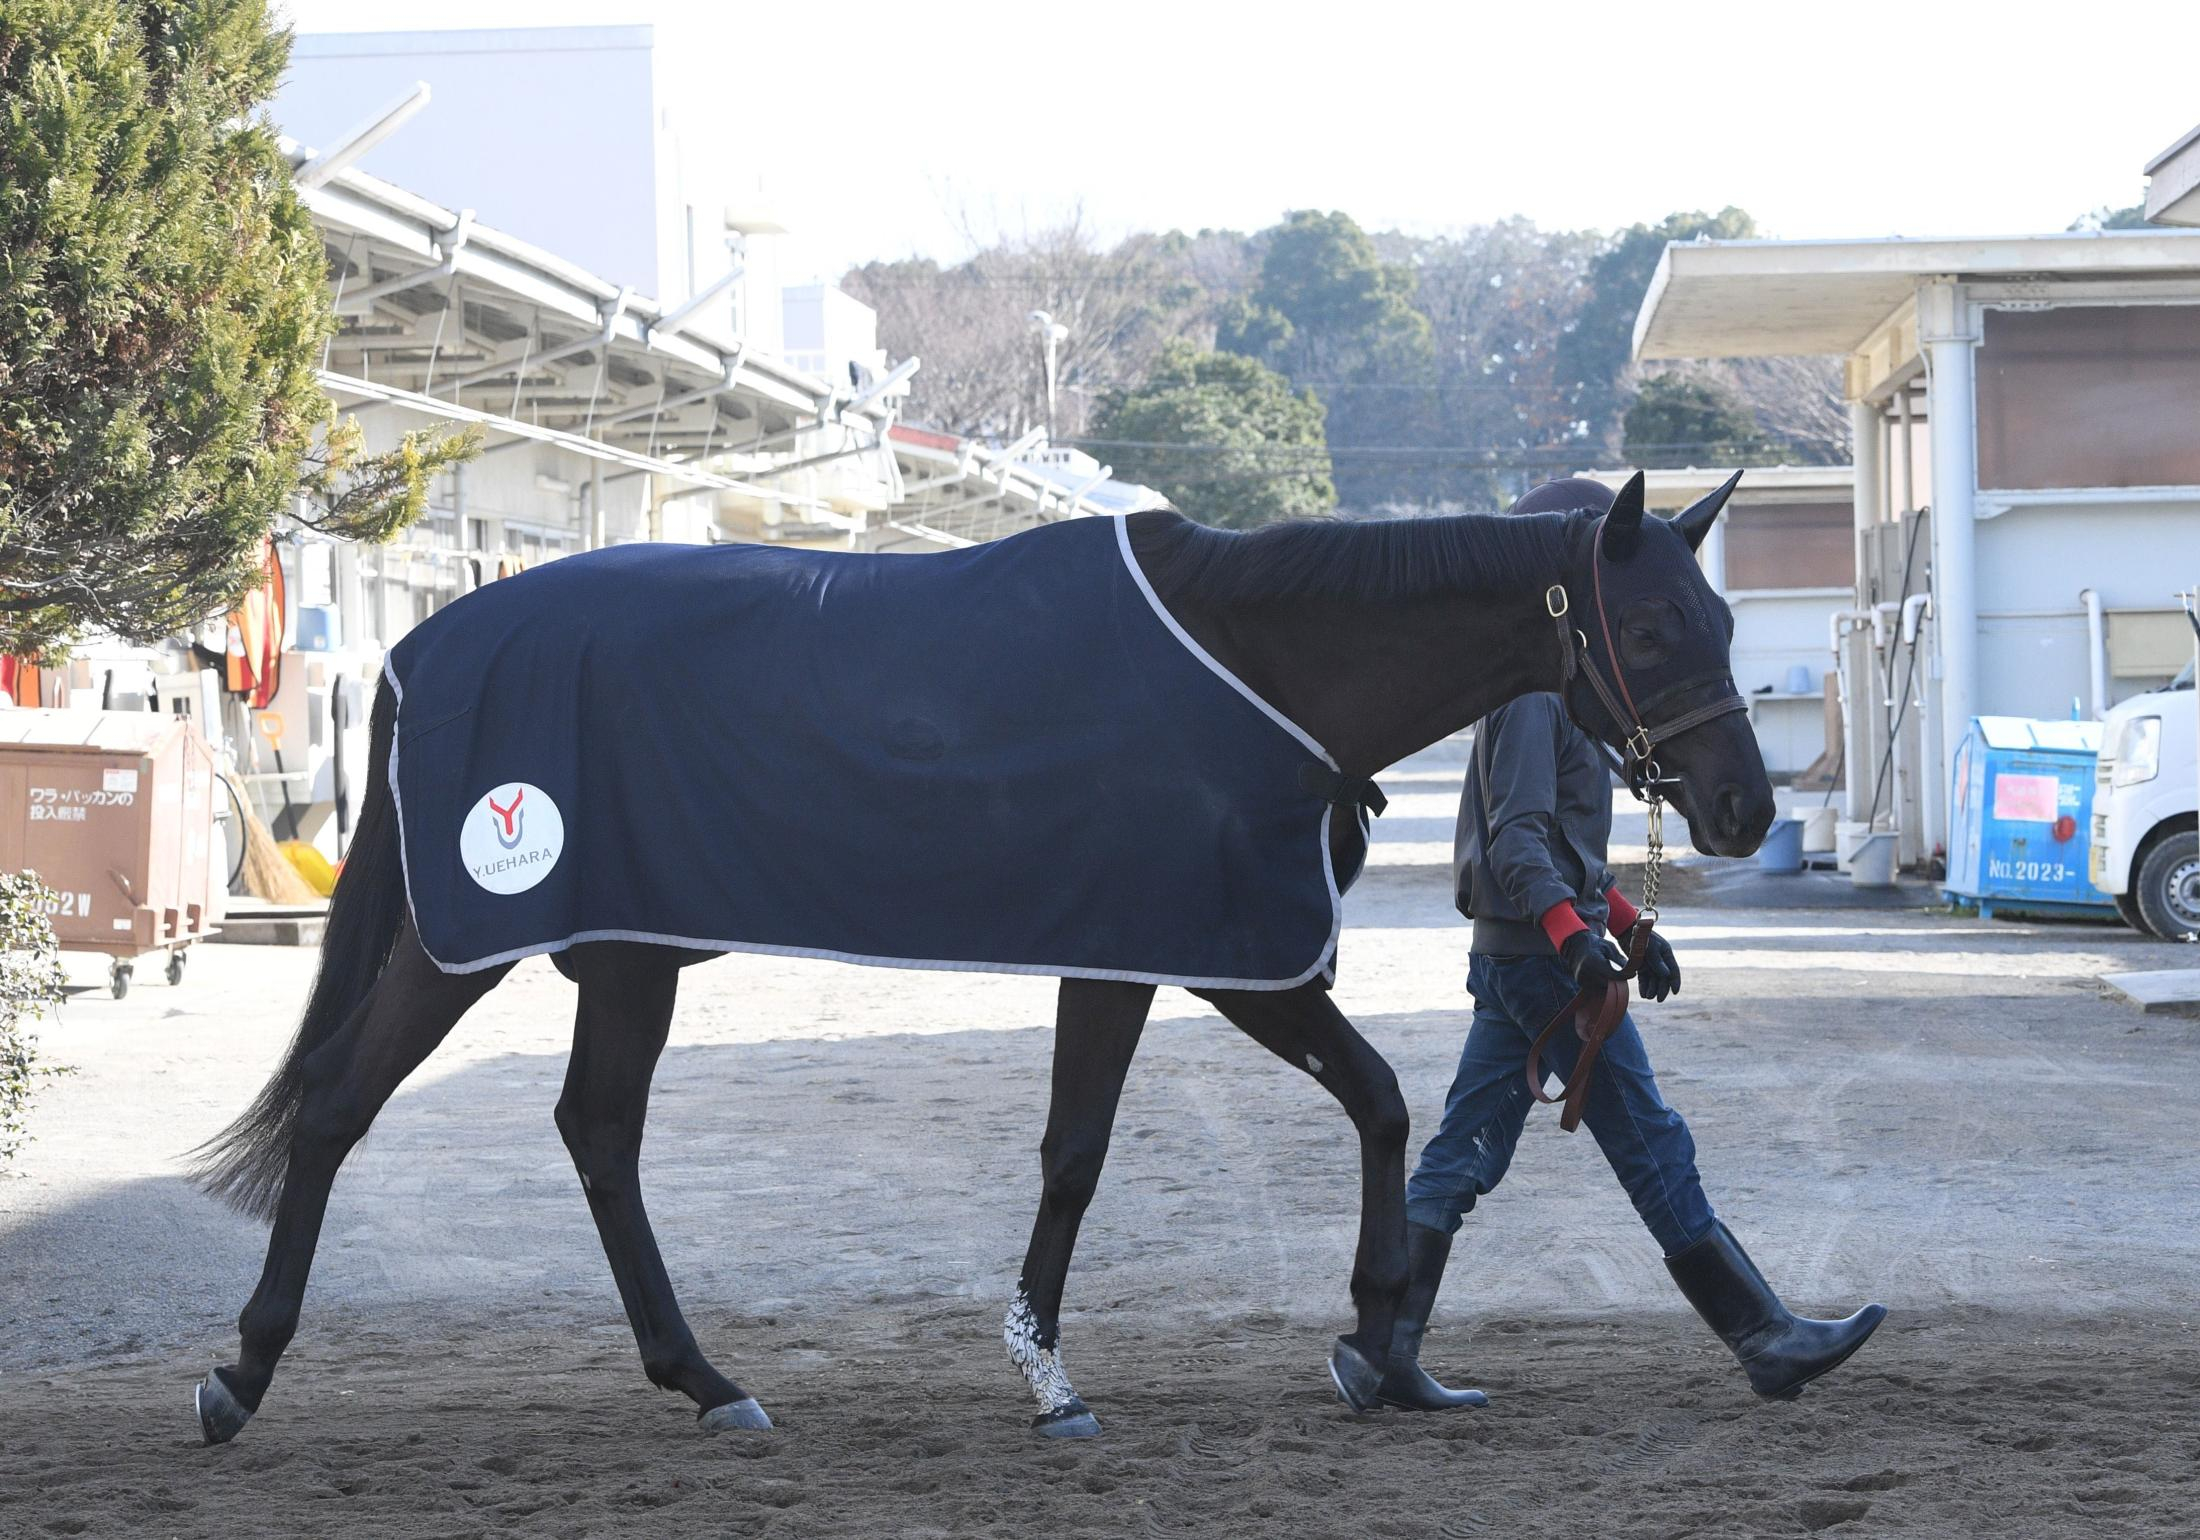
[1791,545]
[2090,396]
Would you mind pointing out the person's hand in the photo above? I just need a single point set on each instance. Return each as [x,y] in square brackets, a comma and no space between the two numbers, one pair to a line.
[1592,959]
[1659,975]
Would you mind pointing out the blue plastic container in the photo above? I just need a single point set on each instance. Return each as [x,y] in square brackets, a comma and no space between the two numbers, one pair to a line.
[1782,850]
[2021,815]
[320,628]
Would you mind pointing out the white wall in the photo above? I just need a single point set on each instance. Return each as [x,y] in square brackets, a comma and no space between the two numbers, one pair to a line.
[2034,560]
[1774,631]
[827,329]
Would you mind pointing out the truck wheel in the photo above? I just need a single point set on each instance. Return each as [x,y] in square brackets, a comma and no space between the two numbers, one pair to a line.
[2127,908]
[118,979]
[2168,887]
[175,967]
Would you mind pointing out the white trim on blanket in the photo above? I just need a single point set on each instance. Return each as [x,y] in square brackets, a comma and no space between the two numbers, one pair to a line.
[1138,576]
[1324,965]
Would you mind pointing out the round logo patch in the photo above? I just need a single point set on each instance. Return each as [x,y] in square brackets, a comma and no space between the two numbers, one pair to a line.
[511,838]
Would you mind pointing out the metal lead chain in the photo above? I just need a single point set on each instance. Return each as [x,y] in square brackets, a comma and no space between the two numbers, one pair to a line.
[1654,822]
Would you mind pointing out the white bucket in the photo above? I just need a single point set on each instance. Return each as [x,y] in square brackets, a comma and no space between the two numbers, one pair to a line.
[1847,835]
[1818,830]
[1871,864]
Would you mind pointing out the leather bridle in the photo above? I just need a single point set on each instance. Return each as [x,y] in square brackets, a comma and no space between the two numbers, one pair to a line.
[1596,1009]
[1640,736]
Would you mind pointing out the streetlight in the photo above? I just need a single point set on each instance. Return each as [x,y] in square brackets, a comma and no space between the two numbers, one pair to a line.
[1051,334]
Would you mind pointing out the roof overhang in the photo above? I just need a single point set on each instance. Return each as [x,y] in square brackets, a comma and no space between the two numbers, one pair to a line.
[1768,299]
[1675,489]
[2173,183]
[958,492]
[437,311]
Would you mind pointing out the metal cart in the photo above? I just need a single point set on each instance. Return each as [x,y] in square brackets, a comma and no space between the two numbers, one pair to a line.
[115,811]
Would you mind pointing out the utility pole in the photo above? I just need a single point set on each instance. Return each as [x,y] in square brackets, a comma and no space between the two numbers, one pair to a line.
[1051,335]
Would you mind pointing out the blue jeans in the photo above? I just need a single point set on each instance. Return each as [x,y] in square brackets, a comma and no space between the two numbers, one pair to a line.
[1647,1142]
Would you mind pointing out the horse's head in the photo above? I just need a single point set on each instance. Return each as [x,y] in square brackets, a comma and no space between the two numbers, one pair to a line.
[1651,675]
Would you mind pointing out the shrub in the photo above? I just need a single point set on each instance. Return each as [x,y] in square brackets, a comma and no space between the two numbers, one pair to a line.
[30,984]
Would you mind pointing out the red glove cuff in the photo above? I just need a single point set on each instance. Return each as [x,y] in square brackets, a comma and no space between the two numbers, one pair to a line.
[1560,921]
[1624,914]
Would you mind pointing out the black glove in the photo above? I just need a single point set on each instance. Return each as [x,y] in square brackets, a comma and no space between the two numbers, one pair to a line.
[1660,975]
[1592,959]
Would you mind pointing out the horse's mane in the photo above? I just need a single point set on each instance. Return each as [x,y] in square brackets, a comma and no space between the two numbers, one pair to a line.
[1370,560]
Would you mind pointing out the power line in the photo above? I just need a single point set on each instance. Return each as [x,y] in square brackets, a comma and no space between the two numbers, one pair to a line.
[1332,451]
[1401,386]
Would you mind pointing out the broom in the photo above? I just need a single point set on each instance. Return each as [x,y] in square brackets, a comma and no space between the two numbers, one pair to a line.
[268,874]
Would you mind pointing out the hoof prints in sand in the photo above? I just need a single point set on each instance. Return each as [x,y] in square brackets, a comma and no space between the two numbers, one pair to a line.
[914,1431]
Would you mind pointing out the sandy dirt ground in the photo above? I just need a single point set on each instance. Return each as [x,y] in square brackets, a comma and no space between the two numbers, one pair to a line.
[1940,1113]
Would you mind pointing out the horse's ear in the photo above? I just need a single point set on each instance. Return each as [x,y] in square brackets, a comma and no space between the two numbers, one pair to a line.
[1623,525]
[1695,521]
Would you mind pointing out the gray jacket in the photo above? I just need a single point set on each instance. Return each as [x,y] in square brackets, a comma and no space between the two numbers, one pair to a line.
[1534,826]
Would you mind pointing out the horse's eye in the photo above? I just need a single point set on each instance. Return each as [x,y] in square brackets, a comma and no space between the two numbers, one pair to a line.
[1648,632]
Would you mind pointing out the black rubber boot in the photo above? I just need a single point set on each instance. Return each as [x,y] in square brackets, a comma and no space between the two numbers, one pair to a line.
[1780,1350]
[1405,1383]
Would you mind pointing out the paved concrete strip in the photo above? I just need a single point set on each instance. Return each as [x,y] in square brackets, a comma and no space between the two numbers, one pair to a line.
[2158,992]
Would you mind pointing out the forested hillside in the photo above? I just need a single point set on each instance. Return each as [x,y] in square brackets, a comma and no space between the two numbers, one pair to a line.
[1357,370]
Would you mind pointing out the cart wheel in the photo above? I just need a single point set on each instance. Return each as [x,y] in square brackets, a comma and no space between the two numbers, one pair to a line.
[118,978]
[175,967]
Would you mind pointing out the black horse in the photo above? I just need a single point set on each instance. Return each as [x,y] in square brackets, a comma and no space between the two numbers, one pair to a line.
[1377,638]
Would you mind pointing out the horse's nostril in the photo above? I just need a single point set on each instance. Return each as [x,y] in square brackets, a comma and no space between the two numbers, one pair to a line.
[1726,811]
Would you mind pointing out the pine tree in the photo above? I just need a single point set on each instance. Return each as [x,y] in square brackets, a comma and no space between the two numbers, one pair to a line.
[1223,437]
[163,303]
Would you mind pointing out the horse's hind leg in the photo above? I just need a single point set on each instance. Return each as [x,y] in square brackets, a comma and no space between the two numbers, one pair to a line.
[410,1010]
[1097,1027]
[1304,1027]
[624,1018]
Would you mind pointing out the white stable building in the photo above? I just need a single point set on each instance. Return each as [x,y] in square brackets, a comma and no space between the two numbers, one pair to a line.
[2026,416]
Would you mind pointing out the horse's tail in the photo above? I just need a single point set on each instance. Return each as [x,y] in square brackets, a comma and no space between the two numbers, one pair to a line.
[245,1163]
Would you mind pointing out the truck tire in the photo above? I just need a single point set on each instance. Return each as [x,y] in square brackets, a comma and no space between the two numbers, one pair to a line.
[2127,909]
[2167,887]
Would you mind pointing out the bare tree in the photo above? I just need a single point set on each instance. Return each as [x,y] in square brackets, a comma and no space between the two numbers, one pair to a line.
[1798,402]
[972,323]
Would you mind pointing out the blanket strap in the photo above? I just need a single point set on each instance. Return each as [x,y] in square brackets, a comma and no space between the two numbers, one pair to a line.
[1341,790]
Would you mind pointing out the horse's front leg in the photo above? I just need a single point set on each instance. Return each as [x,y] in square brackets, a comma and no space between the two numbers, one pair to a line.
[1304,1027]
[1097,1026]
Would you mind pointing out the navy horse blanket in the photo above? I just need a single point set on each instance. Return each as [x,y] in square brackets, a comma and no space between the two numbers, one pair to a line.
[1003,759]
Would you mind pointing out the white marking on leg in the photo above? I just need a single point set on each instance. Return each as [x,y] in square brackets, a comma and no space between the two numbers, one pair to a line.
[1313,1064]
[1041,1366]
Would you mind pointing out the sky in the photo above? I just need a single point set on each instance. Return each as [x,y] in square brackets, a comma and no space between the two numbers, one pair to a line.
[886,130]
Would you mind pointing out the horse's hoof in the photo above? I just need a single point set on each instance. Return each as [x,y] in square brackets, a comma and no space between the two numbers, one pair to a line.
[1071,1421]
[743,1414]
[1359,1383]
[221,1415]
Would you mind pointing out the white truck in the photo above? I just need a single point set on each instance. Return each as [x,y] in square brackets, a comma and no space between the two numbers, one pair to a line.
[2146,811]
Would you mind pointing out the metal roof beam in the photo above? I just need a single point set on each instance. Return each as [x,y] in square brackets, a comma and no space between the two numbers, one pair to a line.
[731,378]
[448,246]
[673,321]
[326,163]
[595,449]
[602,339]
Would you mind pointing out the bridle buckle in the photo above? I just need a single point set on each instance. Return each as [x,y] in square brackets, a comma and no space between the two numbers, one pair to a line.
[1555,601]
[1639,745]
